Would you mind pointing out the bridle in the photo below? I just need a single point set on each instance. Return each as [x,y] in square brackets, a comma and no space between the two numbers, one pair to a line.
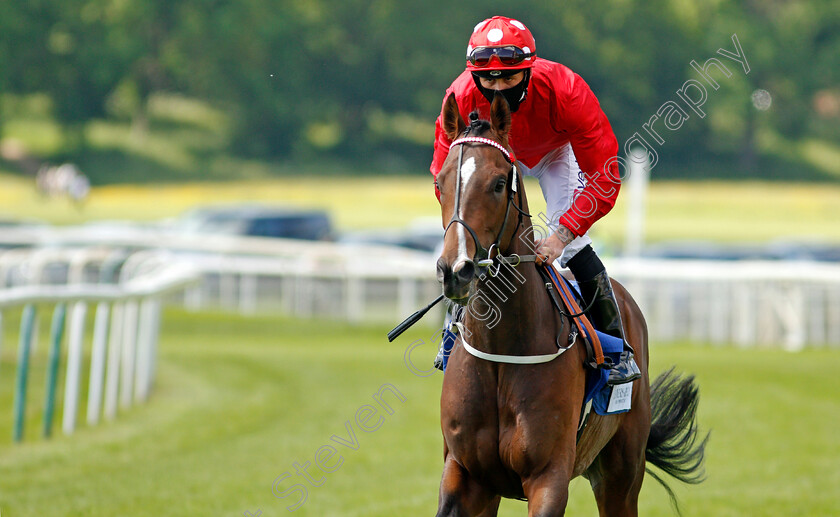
[483,258]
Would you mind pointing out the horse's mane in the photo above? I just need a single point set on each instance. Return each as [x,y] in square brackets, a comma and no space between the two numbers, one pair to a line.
[478,126]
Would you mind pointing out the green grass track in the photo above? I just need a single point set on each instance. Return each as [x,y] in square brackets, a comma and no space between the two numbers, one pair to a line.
[239,400]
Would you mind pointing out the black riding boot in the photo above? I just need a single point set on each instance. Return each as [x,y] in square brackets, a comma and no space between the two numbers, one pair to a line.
[604,311]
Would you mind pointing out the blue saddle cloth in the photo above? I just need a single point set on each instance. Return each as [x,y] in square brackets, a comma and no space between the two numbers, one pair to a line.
[596,380]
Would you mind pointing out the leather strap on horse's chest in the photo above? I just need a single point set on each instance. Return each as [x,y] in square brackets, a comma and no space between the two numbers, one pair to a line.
[581,321]
[508,359]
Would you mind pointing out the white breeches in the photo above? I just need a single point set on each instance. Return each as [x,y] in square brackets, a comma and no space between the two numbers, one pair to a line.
[561,180]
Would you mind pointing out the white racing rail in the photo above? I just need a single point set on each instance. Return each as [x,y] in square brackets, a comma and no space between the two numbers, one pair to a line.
[125,335]
[251,274]
[749,303]
[771,303]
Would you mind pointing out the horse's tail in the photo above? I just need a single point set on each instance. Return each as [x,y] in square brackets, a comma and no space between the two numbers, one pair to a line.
[673,443]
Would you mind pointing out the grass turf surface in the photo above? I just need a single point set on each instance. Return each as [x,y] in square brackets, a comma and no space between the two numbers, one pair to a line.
[238,400]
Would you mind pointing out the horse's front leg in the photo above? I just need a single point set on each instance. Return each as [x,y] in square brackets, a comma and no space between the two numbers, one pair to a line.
[548,494]
[462,496]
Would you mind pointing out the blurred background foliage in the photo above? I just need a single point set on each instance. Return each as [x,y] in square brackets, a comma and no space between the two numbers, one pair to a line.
[154,90]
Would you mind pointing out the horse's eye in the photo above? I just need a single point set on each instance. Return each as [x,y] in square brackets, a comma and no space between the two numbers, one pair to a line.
[500,184]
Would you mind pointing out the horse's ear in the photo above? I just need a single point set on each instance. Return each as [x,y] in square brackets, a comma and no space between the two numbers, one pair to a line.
[500,114]
[453,124]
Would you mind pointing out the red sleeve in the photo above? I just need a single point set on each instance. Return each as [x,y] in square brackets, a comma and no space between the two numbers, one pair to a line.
[442,143]
[595,148]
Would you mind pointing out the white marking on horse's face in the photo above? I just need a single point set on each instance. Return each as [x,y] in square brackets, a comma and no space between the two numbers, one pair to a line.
[467,170]
[462,244]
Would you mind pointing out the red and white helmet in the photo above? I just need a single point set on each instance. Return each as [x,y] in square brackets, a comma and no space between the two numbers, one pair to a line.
[501,43]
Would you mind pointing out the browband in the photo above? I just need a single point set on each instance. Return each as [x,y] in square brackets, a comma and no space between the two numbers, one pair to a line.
[486,141]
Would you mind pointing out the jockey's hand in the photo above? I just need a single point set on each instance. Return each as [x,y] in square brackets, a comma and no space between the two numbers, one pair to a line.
[554,244]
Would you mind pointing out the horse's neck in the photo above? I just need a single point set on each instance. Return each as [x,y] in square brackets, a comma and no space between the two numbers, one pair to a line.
[511,307]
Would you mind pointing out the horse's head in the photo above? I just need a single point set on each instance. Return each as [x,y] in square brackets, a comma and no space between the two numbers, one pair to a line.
[477,183]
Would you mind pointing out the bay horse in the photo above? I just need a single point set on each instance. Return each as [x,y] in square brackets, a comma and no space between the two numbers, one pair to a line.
[511,430]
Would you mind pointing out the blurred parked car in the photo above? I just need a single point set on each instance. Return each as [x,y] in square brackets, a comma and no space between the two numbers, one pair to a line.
[422,234]
[258,221]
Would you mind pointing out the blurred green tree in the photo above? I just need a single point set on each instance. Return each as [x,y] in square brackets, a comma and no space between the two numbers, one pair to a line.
[364,79]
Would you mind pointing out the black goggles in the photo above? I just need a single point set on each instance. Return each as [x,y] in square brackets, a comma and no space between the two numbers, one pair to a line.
[508,56]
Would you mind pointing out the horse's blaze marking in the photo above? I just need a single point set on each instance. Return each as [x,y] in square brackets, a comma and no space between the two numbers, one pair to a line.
[467,170]
[462,245]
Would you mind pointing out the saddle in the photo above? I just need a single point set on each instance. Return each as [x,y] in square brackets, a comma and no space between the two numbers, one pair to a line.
[603,350]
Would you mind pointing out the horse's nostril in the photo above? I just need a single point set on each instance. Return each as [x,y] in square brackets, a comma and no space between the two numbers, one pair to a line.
[442,270]
[465,271]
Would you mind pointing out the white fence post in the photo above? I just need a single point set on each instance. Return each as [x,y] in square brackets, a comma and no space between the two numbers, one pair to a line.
[248,286]
[639,177]
[145,336]
[743,315]
[407,297]
[355,299]
[74,364]
[97,362]
[129,353]
[114,352]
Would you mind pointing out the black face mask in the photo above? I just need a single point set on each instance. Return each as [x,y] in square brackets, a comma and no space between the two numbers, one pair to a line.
[514,96]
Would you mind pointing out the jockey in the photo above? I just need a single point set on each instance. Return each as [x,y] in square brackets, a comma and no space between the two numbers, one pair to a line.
[562,137]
